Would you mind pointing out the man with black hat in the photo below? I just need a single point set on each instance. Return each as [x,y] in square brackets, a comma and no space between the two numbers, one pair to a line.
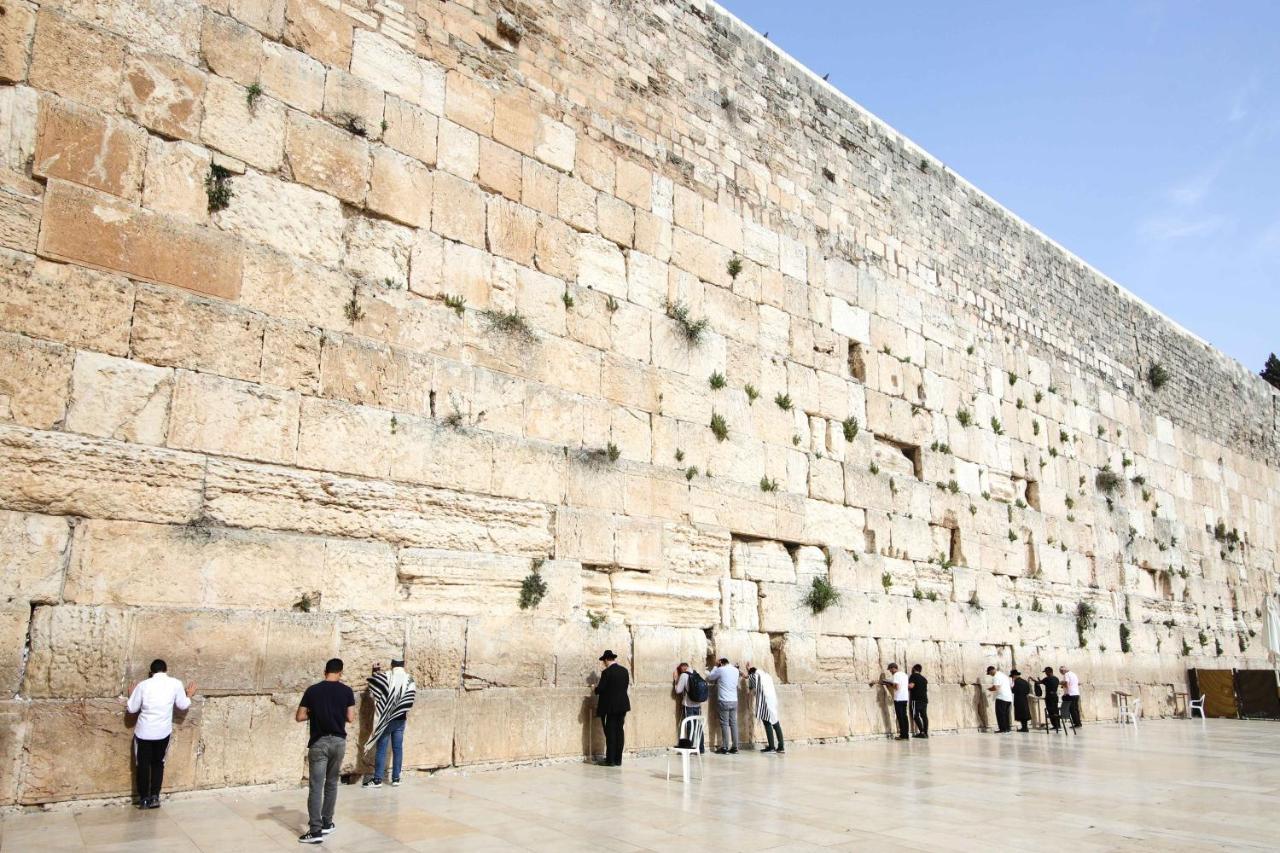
[1021,689]
[1049,686]
[612,705]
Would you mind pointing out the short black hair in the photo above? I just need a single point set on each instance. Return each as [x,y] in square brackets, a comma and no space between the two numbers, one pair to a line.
[158,665]
[916,668]
[751,670]
[991,669]
[1048,670]
[724,661]
[333,665]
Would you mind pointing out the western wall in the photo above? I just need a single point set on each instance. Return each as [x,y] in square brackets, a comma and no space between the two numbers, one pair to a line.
[328,328]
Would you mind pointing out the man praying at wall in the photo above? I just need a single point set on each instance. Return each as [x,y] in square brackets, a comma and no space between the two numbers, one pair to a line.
[1003,688]
[153,701]
[393,694]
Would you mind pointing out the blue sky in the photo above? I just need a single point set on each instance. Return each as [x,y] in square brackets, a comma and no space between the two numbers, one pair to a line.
[1143,136]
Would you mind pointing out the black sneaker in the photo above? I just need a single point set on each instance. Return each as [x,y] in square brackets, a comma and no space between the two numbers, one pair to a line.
[395,783]
[327,828]
[920,735]
[310,837]
[781,751]
[722,751]
[768,749]
[733,751]
[902,737]
[371,783]
[153,803]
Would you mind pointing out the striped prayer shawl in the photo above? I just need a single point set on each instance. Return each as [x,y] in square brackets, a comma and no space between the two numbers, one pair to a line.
[766,698]
[393,695]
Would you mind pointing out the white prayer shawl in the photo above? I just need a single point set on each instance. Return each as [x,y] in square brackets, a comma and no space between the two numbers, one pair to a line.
[766,697]
[393,694]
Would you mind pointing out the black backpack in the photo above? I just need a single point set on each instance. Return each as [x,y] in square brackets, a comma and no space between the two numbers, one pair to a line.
[696,689]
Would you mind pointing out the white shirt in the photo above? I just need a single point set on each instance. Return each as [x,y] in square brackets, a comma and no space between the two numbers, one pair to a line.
[156,698]
[1073,683]
[726,678]
[900,692]
[1004,687]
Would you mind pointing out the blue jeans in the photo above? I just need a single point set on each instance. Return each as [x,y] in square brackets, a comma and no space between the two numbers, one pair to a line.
[394,735]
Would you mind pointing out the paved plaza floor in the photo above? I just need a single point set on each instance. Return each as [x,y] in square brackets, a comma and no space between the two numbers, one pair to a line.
[1172,785]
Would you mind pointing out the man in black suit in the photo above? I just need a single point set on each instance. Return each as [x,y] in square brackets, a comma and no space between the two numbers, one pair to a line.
[1049,686]
[612,705]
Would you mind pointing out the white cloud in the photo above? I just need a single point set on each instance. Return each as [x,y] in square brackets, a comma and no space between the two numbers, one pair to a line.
[1179,228]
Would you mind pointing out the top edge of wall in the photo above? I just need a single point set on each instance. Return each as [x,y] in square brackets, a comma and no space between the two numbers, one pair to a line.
[747,30]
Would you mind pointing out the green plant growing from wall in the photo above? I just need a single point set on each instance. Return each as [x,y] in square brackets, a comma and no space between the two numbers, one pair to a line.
[1124,638]
[886,581]
[568,300]
[352,123]
[352,309]
[611,304]
[1086,620]
[821,595]
[1217,646]
[602,455]
[217,188]
[679,455]
[511,323]
[533,588]
[752,393]
[1203,638]
[692,330]
[996,426]
[457,303]
[719,426]
[717,381]
[964,416]
[690,472]
[850,426]
[917,594]
[1039,396]
[1157,375]
[1186,649]
[596,618]
[734,267]
[874,468]
[1036,606]
[768,485]
[251,96]
[1107,480]
[783,401]
[308,602]
[974,601]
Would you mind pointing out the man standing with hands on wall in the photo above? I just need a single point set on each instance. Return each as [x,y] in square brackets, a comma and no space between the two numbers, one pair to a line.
[153,701]
[612,705]
[898,683]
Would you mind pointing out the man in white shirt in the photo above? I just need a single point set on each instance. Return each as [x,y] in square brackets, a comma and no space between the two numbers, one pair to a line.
[726,677]
[898,683]
[1002,686]
[153,700]
[1071,697]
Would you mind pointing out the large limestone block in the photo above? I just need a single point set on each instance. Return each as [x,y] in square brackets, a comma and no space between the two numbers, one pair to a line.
[654,720]
[15,53]
[174,329]
[319,30]
[220,650]
[99,730]
[34,377]
[293,77]
[248,495]
[252,134]
[163,94]
[501,724]
[742,648]
[13,731]
[827,711]
[432,454]
[428,735]
[374,374]
[658,650]
[250,740]
[231,418]
[297,645]
[175,178]
[401,187]
[83,146]
[77,652]
[458,210]
[572,725]
[646,598]
[510,651]
[32,551]
[471,584]
[112,563]
[96,478]
[578,647]
[739,604]
[367,639]
[64,303]
[118,398]
[763,560]
[327,158]
[379,60]
[14,620]
[58,61]
[101,231]
[359,576]
[435,650]
[697,549]
[287,217]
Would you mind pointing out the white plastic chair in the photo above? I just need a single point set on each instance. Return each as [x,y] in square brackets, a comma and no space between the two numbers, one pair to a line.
[1196,705]
[693,729]
[1131,711]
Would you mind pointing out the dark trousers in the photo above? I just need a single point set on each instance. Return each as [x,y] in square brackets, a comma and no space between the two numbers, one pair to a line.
[149,755]
[769,730]
[613,736]
[324,761]
[1002,715]
[920,714]
[1071,705]
[1051,712]
[900,710]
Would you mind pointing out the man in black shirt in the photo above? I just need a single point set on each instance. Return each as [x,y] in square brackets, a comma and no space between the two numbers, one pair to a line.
[327,706]
[1049,685]
[919,687]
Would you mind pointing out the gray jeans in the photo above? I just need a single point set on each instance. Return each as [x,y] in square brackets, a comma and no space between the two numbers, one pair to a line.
[324,758]
[728,713]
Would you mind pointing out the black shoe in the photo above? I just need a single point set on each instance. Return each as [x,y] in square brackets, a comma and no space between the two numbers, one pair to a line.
[921,735]
[780,751]
[142,802]
[327,828]
[768,749]
[902,737]
[310,837]
[153,803]
[371,783]
[722,751]
[395,783]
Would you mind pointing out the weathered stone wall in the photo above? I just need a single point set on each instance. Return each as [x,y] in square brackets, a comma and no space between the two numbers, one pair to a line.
[247,439]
